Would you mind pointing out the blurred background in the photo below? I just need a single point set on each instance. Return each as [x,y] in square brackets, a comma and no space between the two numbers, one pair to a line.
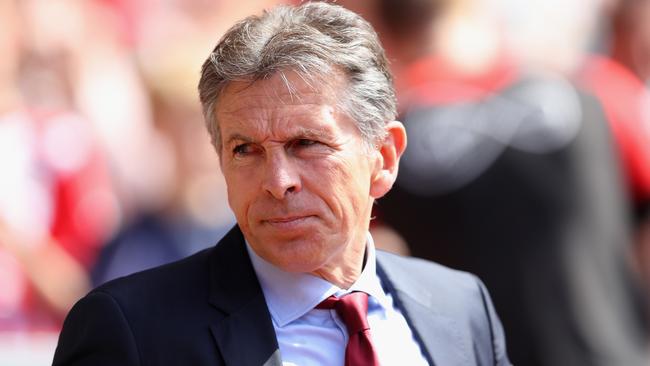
[528,161]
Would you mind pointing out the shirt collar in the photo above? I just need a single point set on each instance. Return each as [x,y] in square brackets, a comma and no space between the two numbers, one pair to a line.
[291,295]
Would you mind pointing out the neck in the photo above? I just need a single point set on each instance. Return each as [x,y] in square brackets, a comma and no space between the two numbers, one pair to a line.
[348,269]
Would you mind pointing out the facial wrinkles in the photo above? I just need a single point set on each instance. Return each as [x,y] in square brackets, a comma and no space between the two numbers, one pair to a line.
[302,202]
[273,122]
[246,98]
[341,169]
[279,139]
[251,106]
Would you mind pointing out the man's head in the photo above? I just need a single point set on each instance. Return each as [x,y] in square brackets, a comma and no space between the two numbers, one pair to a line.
[300,106]
[315,40]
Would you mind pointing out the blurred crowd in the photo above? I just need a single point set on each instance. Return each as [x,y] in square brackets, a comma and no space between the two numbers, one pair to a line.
[528,161]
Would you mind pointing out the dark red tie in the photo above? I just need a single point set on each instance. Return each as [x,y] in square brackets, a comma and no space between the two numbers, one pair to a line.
[353,309]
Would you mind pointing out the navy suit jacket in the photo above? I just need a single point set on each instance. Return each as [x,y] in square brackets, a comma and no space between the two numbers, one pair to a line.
[209,310]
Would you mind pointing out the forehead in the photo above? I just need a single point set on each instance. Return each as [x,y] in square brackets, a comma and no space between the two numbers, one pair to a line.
[285,100]
[282,88]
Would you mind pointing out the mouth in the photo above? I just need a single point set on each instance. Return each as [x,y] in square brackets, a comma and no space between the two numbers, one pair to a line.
[287,222]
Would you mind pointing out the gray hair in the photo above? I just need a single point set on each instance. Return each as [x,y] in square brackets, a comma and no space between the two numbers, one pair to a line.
[314,40]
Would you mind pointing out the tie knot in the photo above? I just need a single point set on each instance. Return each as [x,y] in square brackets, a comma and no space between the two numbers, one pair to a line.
[352,308]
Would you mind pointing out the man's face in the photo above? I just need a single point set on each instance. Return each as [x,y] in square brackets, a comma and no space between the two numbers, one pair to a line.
[300,178]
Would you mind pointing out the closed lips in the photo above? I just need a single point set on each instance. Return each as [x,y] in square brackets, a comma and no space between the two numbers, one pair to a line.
[286,220]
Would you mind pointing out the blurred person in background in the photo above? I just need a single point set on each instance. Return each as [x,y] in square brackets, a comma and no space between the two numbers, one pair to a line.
[619,76]
[512,172]
[189,211]
[193,212]
[56,198]
[57,203]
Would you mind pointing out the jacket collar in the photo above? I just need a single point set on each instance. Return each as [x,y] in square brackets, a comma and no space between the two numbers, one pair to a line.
[421,305]
[290,296]
[235,291]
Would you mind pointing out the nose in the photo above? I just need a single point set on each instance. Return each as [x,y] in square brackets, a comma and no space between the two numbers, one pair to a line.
[280,175]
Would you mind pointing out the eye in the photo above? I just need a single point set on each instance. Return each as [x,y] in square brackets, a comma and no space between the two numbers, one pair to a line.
[242,149]
[304,142]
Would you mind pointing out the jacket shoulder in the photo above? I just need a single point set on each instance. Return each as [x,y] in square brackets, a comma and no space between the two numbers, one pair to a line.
[168,280]
[433,295]
[420,276]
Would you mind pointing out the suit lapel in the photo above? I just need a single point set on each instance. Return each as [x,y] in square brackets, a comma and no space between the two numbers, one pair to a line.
[245,336]
[437,333]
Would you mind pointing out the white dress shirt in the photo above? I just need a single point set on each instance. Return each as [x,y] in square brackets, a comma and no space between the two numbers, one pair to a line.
[309,336]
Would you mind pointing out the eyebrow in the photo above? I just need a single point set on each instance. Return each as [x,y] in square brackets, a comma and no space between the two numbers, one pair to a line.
[301,132]
[237,137]
[314,133]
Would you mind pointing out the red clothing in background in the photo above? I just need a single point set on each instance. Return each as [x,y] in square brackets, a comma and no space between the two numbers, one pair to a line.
[626,102]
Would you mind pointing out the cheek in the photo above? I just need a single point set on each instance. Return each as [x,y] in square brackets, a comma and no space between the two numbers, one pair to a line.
[234,203]
[239,196]
[354,177]
[345,188]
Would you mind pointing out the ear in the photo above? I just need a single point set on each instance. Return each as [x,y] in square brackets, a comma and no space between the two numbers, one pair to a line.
[390,150]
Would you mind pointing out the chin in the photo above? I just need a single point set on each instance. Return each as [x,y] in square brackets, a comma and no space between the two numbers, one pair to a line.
[300,268]
[300,253]
[296,263]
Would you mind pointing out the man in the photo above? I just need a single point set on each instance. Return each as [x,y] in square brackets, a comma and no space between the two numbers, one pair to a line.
[300,108]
